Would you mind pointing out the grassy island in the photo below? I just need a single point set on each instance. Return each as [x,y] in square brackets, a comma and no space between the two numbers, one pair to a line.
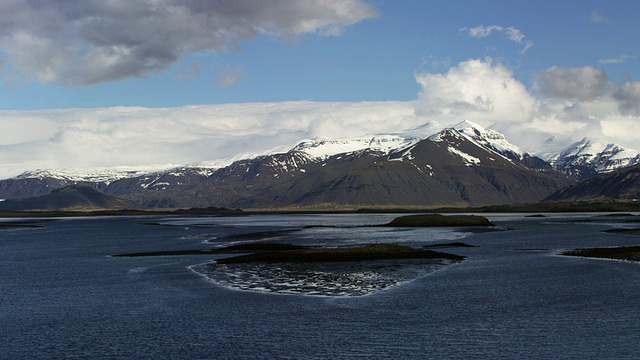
[436,220]
[276,252]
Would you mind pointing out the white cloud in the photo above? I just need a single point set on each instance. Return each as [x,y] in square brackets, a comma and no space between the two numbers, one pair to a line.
[618,60]
[477,89]
[229,76]
[597,17]
[567,103]
[76,43]
[512,34]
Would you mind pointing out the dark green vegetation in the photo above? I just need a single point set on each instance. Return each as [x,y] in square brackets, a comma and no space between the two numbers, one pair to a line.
[546,207]
[628,253]
[436,220]
[363,253]
[24,224]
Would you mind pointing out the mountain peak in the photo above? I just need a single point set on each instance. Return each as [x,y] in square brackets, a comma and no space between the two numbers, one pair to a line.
[466,124]
[489,139]
[589,156]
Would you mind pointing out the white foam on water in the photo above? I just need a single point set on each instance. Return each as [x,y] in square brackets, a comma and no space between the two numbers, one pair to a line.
[346,279]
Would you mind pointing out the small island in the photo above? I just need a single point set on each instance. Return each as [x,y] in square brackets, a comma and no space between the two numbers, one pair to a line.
[626,253]
[361,253]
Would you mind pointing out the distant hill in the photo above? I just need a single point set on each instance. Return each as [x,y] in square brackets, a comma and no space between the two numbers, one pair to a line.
[73,197]
[623,184]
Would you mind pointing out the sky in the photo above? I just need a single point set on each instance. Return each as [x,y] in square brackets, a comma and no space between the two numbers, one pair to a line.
[157,83]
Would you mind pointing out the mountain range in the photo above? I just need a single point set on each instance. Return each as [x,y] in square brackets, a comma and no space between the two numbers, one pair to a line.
[457,166]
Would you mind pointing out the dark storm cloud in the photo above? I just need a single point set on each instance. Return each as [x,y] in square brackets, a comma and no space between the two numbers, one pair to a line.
[84,42]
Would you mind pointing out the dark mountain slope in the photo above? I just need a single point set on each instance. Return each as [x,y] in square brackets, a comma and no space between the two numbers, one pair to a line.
[623,184]
[73,197]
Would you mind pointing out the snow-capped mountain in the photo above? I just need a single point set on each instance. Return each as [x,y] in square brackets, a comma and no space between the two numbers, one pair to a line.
[314,149]
[490,139]
[104,175]
[447,170]
[460,164]
[589,157]
[385,144]
[307,154]
[42,182]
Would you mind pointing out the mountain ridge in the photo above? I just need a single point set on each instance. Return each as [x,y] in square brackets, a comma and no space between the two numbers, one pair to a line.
[460,165]
[454,171]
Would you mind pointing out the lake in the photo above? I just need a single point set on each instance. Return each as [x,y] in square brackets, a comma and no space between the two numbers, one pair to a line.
[64,296]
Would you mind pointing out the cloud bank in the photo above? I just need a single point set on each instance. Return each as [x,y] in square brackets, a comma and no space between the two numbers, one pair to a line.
[565,103]
[85,42]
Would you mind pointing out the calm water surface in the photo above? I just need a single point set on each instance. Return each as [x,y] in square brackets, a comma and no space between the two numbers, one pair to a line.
[63,296]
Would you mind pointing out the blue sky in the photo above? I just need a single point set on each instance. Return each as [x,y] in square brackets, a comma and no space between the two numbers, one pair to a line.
[83,77]
[374,59]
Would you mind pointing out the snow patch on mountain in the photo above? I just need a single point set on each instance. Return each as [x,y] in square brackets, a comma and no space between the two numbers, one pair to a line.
[468,159]
[324,148]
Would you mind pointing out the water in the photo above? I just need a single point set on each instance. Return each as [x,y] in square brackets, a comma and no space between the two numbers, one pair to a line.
[63,296]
